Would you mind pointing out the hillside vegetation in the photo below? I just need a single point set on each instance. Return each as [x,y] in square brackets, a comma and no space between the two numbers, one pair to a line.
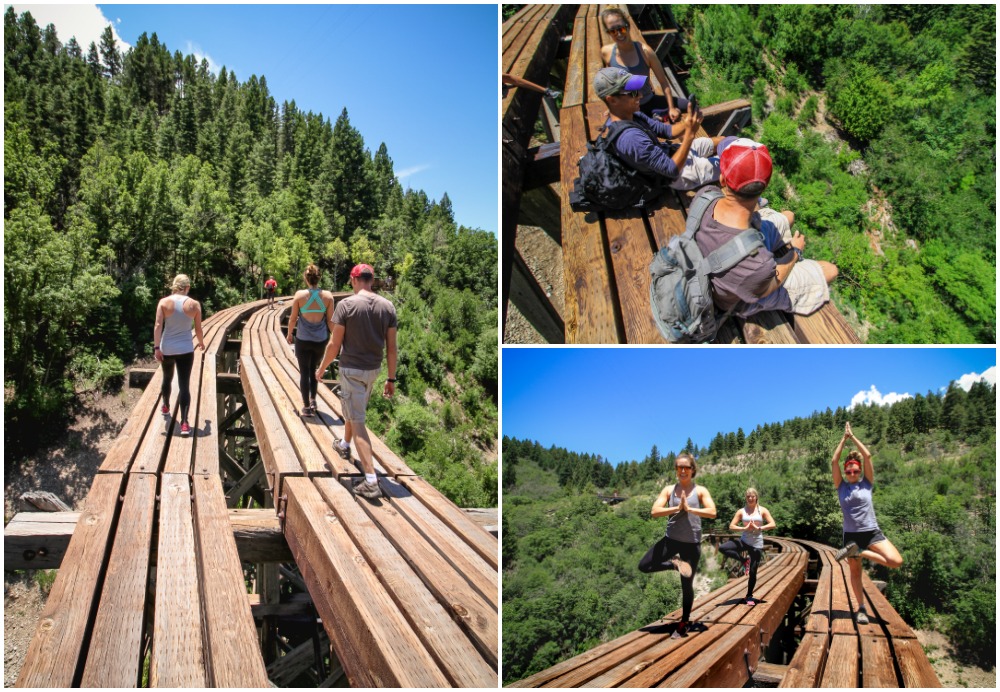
[901,191]
[570,576]
[122,170]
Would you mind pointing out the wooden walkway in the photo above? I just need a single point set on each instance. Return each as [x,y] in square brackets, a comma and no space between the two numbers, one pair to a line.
[406,586]
[728,650]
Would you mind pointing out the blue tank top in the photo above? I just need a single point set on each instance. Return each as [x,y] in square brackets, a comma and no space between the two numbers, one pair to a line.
[642,68]
[313,331]
[684,526]
[176,336]
[856,505]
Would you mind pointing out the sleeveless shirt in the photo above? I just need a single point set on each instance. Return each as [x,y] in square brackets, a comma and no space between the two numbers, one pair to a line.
[176,337]
[642,68]
[313,331]
[753,537]
[684,526]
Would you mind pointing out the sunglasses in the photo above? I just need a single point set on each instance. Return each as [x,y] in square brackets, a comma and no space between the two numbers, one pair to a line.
[852,471]
[618,30]
[683,468]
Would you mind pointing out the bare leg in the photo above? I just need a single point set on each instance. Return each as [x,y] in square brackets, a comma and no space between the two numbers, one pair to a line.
[363,444]
[884,553]
[348,431]
[854,564]
[830,271]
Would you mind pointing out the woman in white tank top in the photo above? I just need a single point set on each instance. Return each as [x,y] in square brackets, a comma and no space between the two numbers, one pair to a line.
[173,346]
[753,519]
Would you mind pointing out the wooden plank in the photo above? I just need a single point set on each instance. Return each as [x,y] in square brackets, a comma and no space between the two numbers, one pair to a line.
[473,613]
[275,447]
[825,326]
[807,664]
[258,536]
[914,667]
[55,648]
[593,57]
[666,220]
[232,655]
[882,612]
[842,597]
[435,621]
[126,444]
[480,575]
[590,307]
[576,75]
[483,542]
[37,540]
[877,666]
[661,660]
[842,663]
[724,663]
[177,656]
[116,644]
[769,327]
[375,644]
[311,460]
[630,255]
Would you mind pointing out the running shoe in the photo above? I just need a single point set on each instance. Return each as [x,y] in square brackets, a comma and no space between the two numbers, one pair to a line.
[750,602]
[308,411]
[344,452]
[849,550]
[369,490]
[862,617]
[746,566]
[683,568]
[165,410]
[681,631]
[185,430]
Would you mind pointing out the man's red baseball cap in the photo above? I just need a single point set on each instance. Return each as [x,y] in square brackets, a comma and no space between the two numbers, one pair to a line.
[744,161]
[362,270]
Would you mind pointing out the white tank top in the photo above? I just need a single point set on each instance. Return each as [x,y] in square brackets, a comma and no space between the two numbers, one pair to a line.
[753,537]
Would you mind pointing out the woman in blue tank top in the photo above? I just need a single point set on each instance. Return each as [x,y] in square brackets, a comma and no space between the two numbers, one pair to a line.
[639,59]
[315,307]
[862,537]
[684,504]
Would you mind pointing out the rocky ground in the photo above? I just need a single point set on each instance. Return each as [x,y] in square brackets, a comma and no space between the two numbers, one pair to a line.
[543,255]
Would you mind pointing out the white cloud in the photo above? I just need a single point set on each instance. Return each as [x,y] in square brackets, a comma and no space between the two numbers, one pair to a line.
[199,55]
[966,381]
[412,170]
[874,396]
[85,22]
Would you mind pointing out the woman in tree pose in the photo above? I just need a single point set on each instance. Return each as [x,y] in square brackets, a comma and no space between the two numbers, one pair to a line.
[862,537]
[316,309]
[752,520]
[173,345]
[684,503]
[638,58]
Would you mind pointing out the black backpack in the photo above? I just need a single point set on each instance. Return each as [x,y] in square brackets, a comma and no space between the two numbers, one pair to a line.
[607,183]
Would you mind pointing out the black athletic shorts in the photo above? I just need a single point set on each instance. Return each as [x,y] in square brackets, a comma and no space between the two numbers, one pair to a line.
[863,539]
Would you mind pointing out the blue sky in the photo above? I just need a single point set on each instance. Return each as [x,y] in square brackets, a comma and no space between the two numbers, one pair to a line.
[620,402]
[421,78]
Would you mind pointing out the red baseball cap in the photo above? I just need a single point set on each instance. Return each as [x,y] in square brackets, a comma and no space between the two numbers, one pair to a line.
[745,161]
[362,270]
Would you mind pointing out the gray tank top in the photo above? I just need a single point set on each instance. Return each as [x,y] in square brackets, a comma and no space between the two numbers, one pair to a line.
[641,68]
[313,331]
[753,537]
[684,526]
[176,337]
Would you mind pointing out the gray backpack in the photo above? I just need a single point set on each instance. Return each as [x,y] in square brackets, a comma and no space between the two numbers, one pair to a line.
[680,290]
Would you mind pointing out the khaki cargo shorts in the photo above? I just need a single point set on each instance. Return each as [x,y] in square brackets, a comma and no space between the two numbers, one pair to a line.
[355,389]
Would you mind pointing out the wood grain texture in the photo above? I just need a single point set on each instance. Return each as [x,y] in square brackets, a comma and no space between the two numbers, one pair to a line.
[806,665]
[825,326]
[843,663]
[177,656]
[55,649]
[383,537]
[37,540]
[374,643]
[483,542]
[914,667]
[877,667]
[233,656]
[115,657]
[631,254]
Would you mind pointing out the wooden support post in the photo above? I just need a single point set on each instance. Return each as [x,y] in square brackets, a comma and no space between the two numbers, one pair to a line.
[534,304]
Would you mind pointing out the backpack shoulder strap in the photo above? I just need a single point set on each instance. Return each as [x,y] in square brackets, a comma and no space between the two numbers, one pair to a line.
[615,130]
[735,250]
[696,212]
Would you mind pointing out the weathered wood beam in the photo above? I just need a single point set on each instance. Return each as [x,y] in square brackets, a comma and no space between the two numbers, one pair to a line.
[226,382]
[542,167]
[532,302]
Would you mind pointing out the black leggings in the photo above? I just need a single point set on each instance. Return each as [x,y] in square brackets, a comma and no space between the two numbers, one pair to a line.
[734,549]
[658,559]
[184,362]
[310,355]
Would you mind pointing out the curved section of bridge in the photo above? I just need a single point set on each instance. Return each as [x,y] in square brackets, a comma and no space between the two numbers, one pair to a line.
[152,590]
[801,633]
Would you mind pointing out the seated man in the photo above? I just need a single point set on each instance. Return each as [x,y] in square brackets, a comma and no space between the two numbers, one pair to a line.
[776,278]
[687,167]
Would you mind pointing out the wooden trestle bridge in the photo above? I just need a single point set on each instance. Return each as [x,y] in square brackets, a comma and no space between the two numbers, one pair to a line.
[801,633]
[153,586]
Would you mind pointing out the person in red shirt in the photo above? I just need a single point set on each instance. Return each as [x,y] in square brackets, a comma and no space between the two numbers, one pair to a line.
[270,286]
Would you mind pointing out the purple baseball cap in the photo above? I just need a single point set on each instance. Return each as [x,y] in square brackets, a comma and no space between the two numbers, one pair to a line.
[612,80]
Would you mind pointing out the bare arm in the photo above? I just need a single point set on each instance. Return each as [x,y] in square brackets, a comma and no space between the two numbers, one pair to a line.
[661,76]
[837,478]
[511,80]
[737,523]
[390,360]
[158,331]
[768,520]
[865,455]
[707,509]
[332,349]
[197,325]
[660,508]
[293,319]
[691,124]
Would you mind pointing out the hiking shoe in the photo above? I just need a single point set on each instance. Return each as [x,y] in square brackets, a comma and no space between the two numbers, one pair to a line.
[369,490]
[746,566]
[683,568]
[185,430]
[849,550]
[344,452]
[681,631]
[165,410]
[308,411]
[862,618]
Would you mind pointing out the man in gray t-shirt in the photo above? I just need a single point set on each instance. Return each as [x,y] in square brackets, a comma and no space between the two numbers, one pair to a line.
[365,326]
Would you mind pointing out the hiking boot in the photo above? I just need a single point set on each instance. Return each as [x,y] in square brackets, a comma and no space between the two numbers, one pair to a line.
[344,452]
[862,618]
[308,411]
[185,430]
[165,410]
[683,568]
[369,490]
[849,550]
[681,631]
[746,566]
